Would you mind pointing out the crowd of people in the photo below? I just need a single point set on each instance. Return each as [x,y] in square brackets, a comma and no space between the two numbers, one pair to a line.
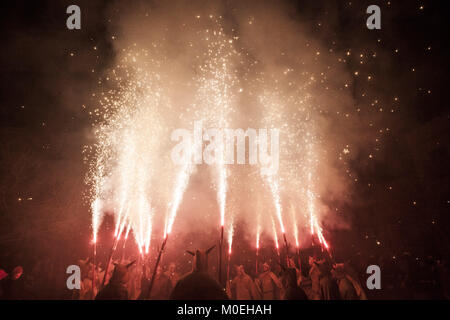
[320,278]
[133,279]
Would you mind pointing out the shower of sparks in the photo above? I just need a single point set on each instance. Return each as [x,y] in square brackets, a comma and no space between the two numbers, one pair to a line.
[95,218]
[257,239]
[126,131]
[180,187]
[320,235]
[276,198]
[275,234]
[230,236]
[130,173]
[311,210]
[216,81]
[294,225]
[258,232]
[128,231]
[311,198]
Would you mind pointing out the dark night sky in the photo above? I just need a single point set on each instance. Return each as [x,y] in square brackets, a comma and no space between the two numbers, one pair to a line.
[43,127]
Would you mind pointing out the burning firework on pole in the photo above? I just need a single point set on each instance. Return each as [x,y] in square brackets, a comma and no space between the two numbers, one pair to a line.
[125,242]
[111,253]
[257,249]
[113,249]
[182,181]
[95,225]
[220,253]
[297,244]
[150,287]
[94,271]
[230,243]
[286,244]
[275,238]
[222,201]
[130,129]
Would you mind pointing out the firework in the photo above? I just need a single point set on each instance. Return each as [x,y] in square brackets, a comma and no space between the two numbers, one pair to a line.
[125,241]
[95,207]
[150,287]
[257,247]
[180,187]
[294,225]
[230,244]
[275,238]
[131,176]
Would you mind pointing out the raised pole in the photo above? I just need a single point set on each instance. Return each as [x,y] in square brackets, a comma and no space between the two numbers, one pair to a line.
[287,248]
[113,248]
[257,256]
[299,260]
[150,287]
[220,254]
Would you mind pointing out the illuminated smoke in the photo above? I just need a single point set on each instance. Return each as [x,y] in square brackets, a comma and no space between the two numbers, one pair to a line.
[175,67]
[215,96]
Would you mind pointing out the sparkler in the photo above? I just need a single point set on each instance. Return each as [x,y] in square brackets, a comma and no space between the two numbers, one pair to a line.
[95,207]
[95,225]
[180,187]
[94,271]
[222,200]
[299,260]
[148,237]
[275,238]
[273,183]
[297,244]
[125,242]
[228,266]
[220,254]
[230,243]
[294,226]
[257,248]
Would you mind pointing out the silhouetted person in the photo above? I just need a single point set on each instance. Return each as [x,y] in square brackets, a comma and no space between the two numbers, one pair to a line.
[269,284]
[198,284]
[116,288]
[243,287]
[162,287]
[346,289]
[172,274]
[292,290]
[328,287]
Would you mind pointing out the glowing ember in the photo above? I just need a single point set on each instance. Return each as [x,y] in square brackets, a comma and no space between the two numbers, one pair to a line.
[230,237]
[257,237]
